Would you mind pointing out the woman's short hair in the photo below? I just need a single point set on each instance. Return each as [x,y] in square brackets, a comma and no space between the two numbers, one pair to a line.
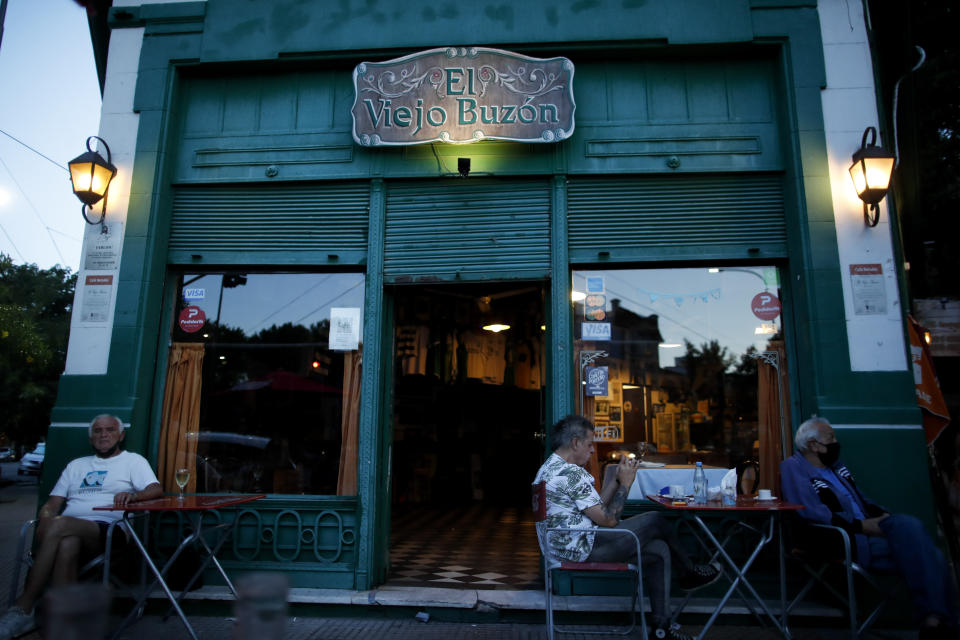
[809,430]
[104,416]
[568,428]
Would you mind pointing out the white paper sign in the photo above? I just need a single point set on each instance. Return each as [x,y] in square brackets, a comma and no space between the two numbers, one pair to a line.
[97,294]
[103,249]
[344,328]
[869,290]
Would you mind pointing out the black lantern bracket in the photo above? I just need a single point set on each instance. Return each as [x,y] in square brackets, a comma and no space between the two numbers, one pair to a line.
[91,175]
[871,173]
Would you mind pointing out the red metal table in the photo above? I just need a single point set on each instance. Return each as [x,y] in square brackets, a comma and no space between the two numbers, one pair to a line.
[773,509]
[193,507]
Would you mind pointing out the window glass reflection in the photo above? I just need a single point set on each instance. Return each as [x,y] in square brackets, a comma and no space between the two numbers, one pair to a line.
[667,362]
[278,394]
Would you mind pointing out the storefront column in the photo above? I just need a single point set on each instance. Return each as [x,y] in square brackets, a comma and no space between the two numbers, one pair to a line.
[559,330]
[369,460]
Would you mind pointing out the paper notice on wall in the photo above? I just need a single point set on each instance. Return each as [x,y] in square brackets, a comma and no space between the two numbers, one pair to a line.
[344,328]
[868,289]
[102,251]
[97,295]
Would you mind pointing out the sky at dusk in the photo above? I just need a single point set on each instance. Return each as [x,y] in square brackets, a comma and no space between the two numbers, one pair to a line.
[49,100]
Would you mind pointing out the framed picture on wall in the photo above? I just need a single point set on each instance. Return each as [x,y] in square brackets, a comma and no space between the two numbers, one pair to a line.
[602,408]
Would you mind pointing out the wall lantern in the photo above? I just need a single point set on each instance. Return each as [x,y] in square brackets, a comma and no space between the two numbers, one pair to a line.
[870,171]
[90,175]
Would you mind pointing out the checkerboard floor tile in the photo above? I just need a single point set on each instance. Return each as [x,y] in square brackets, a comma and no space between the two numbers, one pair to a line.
[472,547]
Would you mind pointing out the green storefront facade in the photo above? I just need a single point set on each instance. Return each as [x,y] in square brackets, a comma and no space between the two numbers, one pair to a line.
[699,142]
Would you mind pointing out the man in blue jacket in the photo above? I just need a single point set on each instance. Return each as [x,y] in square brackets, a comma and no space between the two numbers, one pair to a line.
[891,543]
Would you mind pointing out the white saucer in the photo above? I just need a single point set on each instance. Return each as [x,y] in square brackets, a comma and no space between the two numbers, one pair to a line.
[766,499]
[651,465]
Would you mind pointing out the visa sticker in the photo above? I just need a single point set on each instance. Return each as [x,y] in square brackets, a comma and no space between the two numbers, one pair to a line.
[194,294]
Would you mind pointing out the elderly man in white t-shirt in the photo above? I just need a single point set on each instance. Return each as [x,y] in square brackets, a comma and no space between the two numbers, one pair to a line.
[111,476]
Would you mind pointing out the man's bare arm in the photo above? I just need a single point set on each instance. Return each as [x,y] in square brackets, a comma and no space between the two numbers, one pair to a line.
[149,492]
[52,507]
[608,514]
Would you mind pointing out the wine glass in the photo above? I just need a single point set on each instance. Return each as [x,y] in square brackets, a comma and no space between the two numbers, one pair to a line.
[642,446]
[182,478]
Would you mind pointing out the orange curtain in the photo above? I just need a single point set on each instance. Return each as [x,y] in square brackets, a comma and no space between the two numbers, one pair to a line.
[347,478]
[768,398]
[181,415]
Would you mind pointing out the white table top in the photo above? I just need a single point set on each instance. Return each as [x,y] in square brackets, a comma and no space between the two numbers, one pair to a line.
[651,480]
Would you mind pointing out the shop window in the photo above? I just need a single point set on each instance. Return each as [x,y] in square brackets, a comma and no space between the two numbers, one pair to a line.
[684,365]
[263,383]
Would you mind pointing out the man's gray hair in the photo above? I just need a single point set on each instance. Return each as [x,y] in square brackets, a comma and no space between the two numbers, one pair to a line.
[104,416]
[809,430]
[568,428]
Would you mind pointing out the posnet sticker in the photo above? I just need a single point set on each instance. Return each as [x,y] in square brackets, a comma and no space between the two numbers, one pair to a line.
[192,319]
[765,306]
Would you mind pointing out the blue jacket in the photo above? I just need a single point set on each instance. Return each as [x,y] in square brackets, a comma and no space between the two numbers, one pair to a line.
[802,484]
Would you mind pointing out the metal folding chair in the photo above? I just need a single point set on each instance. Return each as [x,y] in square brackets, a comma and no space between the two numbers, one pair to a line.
[552,564]
[816,562]
[24,559]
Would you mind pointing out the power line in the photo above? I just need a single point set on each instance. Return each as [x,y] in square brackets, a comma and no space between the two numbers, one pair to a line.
[299,296]
[35,151]
[35,212]
[12,243]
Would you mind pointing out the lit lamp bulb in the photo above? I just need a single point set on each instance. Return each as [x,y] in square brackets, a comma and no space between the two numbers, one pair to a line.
[870,172]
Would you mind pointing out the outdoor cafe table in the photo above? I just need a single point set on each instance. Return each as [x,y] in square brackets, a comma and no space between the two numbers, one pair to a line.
[651,479]
[768,510]
[194,508]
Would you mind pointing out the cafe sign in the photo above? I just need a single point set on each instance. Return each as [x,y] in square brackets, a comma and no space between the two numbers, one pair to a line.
[462,94]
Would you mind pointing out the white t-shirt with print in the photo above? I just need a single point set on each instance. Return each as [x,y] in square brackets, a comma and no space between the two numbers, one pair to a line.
[570,490]
[93,482]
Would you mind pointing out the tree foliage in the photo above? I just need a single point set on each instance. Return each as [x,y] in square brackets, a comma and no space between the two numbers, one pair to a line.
[35,309]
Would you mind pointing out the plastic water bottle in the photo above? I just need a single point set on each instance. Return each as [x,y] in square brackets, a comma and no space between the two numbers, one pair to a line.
[699,484]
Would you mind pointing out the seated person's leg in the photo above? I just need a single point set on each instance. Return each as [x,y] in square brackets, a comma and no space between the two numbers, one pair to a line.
[909,550]
[653,526]
[50,535]
[656,581]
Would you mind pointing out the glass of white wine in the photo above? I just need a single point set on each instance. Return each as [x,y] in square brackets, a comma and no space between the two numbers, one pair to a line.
[182,478]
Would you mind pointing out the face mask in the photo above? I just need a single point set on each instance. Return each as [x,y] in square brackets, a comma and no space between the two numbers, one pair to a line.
[109,452]
[831,455]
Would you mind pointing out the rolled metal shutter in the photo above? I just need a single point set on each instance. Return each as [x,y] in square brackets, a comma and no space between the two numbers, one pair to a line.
[642,217]
[300,218]
[474,229]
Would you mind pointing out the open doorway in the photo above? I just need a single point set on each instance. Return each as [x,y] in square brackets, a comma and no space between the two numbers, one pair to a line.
[468,414]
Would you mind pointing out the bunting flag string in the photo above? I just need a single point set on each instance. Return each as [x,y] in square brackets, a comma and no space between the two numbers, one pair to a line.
[680,298]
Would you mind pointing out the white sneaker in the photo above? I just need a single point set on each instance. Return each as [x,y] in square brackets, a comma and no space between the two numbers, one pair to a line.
[16,622]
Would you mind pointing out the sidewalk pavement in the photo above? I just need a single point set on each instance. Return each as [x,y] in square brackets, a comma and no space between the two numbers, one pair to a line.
[18,497]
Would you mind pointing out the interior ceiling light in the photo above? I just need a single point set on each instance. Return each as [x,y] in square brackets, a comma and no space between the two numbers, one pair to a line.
[496,328]
[765,329]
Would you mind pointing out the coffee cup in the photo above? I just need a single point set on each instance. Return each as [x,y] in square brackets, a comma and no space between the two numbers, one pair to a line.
[677,491]
[765,494]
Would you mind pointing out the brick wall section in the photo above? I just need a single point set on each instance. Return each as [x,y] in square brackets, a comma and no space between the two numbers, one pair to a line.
[941,318]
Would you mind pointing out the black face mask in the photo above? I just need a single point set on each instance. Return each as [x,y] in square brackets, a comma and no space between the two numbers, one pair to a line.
[109,452]
[831,455]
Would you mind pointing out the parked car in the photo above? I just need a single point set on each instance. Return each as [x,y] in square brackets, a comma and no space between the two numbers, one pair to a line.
[32,463]
[7,454]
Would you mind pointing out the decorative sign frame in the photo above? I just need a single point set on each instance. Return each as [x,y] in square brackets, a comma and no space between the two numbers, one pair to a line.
[460,95]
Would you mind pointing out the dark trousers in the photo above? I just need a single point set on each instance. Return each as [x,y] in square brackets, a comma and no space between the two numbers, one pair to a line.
[659,547]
